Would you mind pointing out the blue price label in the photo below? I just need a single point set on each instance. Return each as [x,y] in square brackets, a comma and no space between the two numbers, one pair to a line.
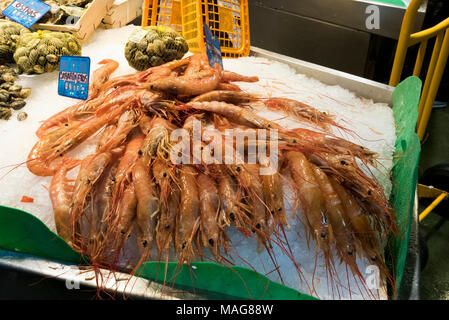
[74,77]
[26,12]
[213,48]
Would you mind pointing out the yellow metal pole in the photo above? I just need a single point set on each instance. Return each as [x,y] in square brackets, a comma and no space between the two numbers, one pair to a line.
[426,34]
[420,58]
[436,79]
[408,23]
[145,9]
[154,7]
[430,74]
[432,206]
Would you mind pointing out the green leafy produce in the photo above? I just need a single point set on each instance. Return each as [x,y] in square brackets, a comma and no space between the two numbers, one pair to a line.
[39,52]
[154,45]
[9,35]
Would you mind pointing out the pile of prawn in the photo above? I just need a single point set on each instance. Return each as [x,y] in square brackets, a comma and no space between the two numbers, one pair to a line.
[130,184]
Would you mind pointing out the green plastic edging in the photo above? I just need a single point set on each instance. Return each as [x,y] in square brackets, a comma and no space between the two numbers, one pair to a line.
[398,3]
[230,282]
[23,232]
[405,170]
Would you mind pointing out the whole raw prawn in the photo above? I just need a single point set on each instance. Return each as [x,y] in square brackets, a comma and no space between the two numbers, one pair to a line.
[311,200]
[202,82]
[231,199]
[43,158]
[101,75]
[169,200]
[188,220]
[125,166]
[61,192]
[248,177]
[90,171]
[210,232]
[147,205]
[157,140]
[345,241]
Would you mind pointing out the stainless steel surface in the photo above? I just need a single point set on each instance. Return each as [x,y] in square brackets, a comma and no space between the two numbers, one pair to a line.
[346,13]
[73,277]
[142,288]
[362,87]
[409,289]
[309,39]
[331,33]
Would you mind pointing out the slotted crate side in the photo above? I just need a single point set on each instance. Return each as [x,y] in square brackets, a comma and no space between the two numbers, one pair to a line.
[192,25]
[162,12]
[227,19]
[122,13]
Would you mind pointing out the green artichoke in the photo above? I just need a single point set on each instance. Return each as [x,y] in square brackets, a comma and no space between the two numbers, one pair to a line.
[39,52]
[155,45]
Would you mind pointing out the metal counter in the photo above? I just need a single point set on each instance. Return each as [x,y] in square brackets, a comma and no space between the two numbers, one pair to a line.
[331,33]
[347,13]
[72,277]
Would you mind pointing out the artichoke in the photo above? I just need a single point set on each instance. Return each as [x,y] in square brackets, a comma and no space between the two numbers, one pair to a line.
[154,45]
[39,52]
[9,35]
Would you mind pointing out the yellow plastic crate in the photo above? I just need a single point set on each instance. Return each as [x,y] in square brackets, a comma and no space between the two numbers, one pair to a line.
[227,19]
[162,12]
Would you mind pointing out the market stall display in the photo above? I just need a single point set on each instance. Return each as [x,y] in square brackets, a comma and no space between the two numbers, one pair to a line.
[358,115]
